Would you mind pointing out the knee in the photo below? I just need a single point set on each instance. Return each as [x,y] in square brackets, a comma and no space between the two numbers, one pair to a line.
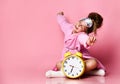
[91,64]
[59,64]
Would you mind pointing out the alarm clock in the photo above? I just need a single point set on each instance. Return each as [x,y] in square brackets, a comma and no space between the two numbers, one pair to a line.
[73,65]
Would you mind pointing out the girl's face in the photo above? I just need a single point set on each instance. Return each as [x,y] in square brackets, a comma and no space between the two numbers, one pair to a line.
[80,26]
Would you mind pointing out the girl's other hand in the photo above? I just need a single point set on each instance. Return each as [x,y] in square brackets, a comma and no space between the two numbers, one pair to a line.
[91,40]
[60,13]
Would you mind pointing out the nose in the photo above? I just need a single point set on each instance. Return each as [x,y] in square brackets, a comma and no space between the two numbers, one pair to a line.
[76,27]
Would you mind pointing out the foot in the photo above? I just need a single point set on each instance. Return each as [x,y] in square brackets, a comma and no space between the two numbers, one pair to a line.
[48,73]
[51,73]
[99,72]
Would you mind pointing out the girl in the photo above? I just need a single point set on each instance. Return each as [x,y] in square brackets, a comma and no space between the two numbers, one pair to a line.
[78,39]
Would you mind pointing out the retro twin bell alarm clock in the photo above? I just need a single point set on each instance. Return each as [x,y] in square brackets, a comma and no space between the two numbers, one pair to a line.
[73,65]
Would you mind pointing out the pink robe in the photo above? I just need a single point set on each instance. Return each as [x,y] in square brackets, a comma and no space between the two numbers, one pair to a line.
[75,42]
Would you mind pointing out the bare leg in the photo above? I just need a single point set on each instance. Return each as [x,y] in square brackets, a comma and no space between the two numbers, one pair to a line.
[58,65]
[91,64]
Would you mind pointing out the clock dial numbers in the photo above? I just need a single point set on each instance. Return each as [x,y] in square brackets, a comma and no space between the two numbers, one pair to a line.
[73,66]
[66,66]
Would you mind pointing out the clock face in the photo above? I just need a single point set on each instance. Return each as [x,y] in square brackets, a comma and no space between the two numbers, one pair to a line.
[73,66]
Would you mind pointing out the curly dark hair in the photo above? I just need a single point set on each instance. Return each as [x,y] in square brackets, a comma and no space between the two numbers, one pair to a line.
[97,22]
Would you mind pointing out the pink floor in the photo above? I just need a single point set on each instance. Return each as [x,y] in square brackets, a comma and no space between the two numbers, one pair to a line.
[38,77]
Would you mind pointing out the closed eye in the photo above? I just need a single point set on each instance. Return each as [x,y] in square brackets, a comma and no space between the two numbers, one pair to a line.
[79,25]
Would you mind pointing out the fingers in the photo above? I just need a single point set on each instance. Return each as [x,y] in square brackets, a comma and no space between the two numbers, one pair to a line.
[92,39]
[60,13]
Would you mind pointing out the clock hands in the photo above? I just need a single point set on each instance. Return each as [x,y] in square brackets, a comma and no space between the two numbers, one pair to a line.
[71,69]
[74,67]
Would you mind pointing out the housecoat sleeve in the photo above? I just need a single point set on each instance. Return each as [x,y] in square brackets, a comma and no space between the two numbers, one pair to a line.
[83,40]
[64,24]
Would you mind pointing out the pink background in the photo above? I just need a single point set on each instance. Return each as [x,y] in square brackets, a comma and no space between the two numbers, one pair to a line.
[31,40]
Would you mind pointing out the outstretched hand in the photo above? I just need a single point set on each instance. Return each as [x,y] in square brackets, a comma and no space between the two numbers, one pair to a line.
[91,40]
[60,13]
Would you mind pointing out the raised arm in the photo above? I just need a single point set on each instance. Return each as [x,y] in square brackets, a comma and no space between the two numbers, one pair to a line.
[62,21]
